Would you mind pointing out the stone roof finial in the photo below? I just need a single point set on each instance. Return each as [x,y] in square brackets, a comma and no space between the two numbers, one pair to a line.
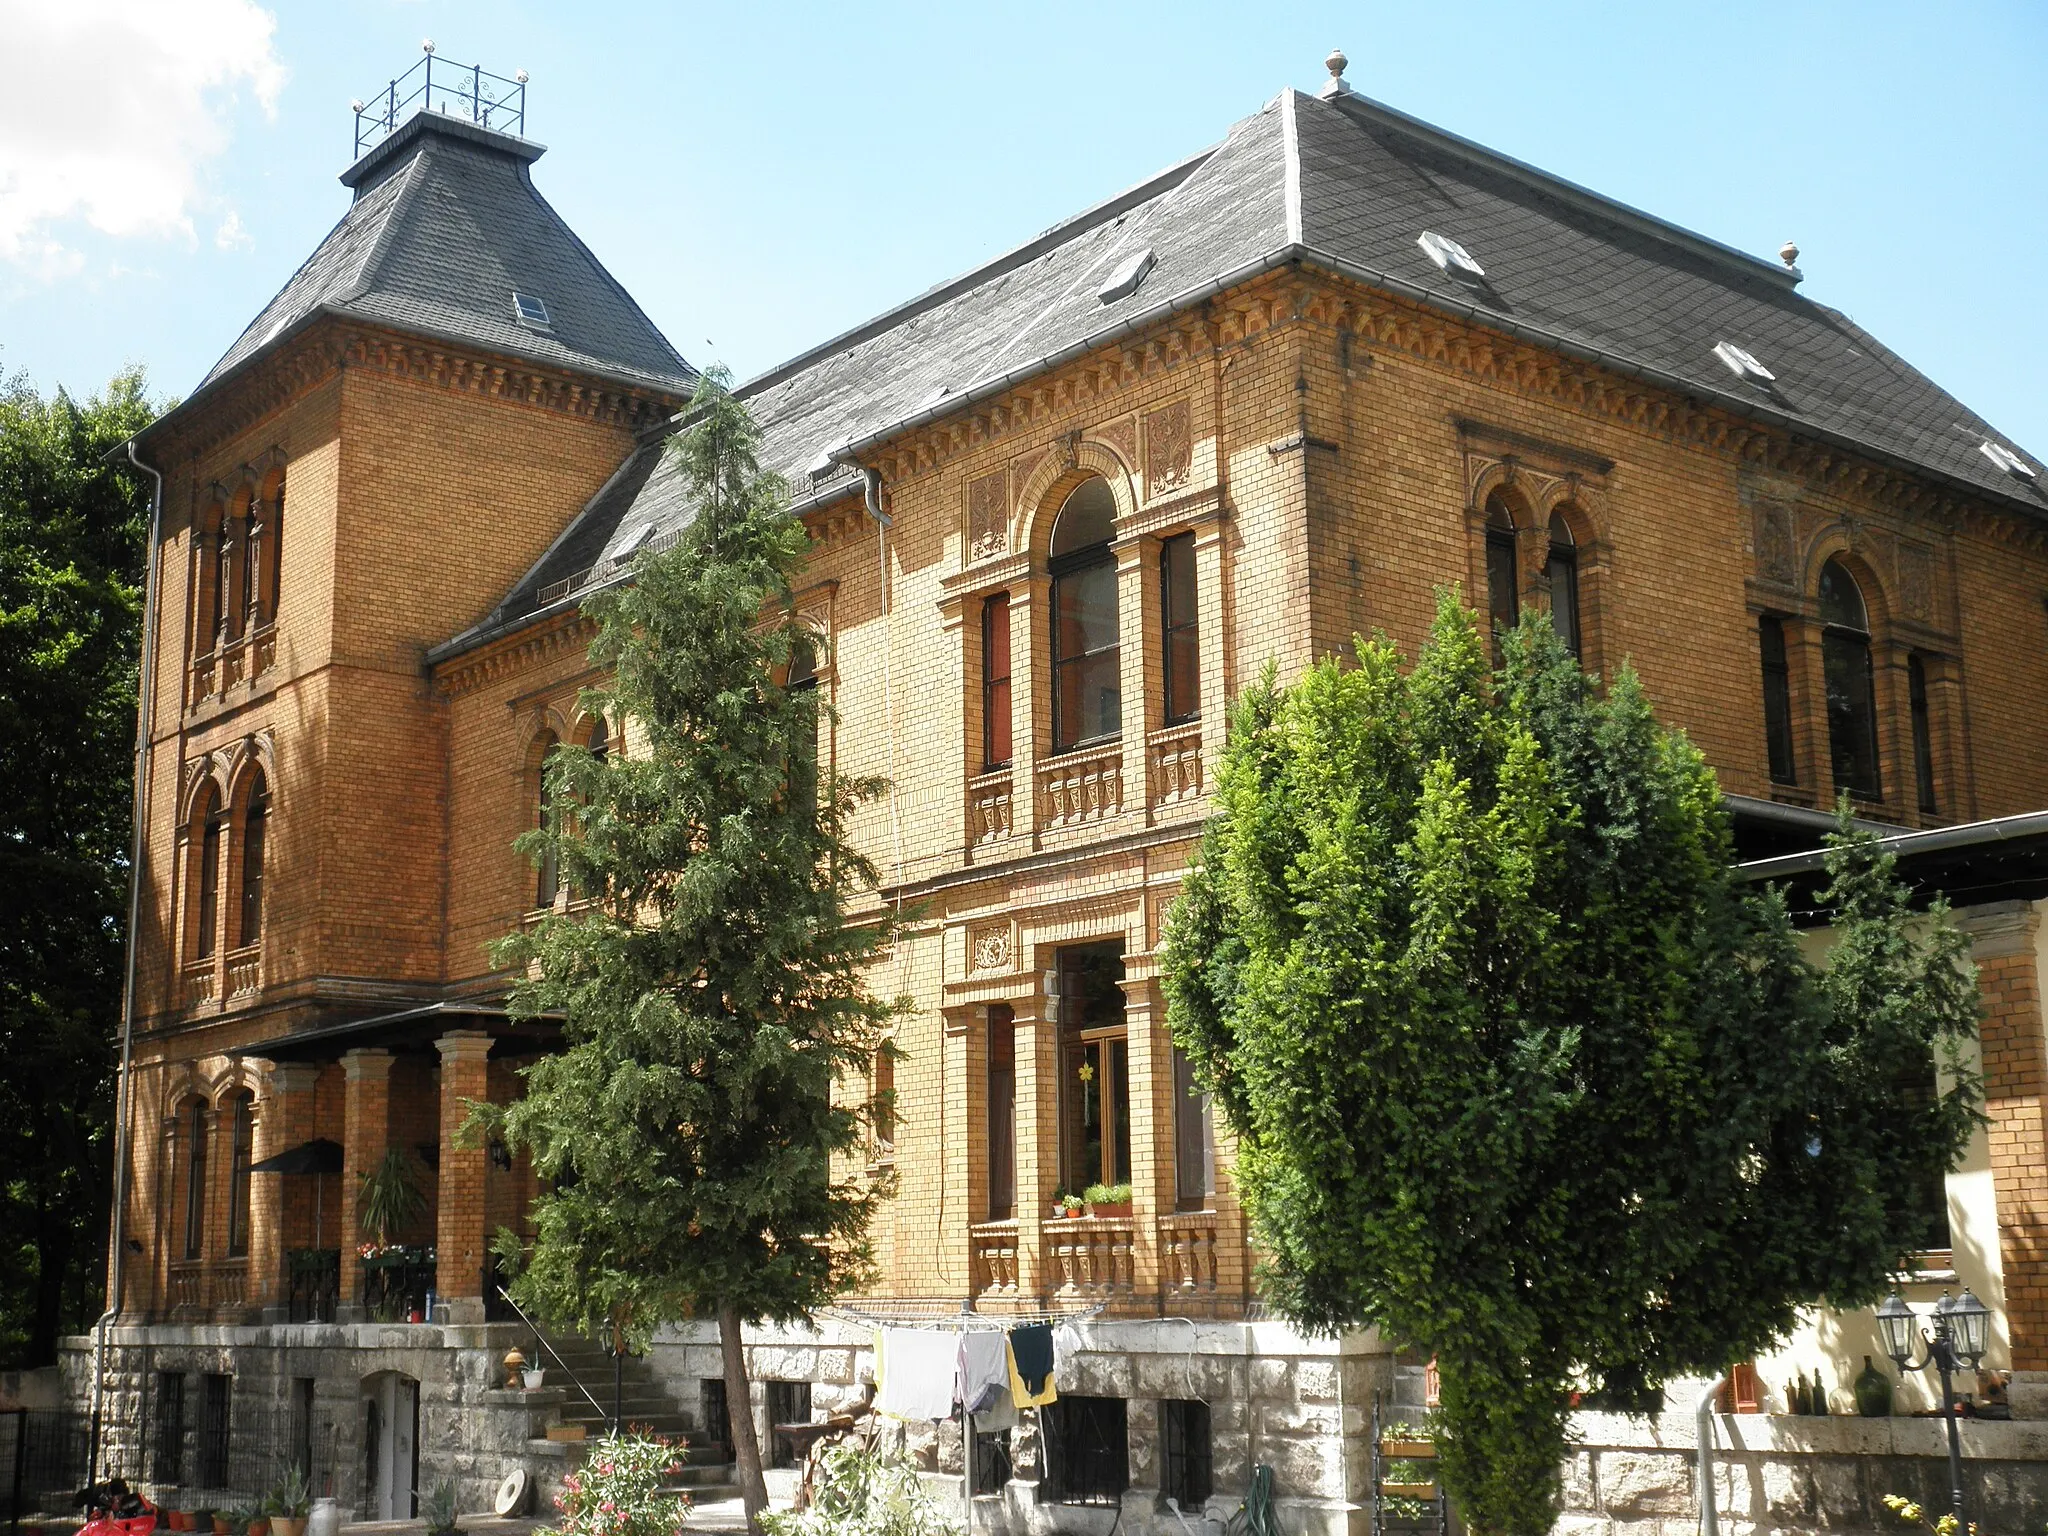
[1788,253]
[1336,85]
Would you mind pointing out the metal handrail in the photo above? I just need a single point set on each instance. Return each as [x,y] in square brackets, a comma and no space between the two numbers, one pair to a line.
[540,1340]
[475,93]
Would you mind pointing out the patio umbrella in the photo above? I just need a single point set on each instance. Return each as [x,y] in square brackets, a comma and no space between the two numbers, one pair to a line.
[319,1156]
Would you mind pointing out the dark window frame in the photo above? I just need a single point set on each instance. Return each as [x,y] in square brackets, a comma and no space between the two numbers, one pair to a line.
[1179,675]
[216,1425]
[997,746]
[1002,1112]
[1094,1036]
[1066,572]
[241,1153]
[255,834]
[212,829]
[1923,736]
[1562,572]
[167,1442]
[1854,750]
[195,1180]
[1194,1160]
[788,1402]
[548,873]
[1777,683]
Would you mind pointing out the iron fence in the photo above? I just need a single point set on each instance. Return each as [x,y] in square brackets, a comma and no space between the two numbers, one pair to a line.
[467,91]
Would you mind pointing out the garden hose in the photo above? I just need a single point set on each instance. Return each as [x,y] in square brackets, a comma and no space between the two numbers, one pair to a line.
[1255,1515]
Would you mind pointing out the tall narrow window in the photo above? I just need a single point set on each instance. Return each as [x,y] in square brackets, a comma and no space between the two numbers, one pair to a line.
[216,1399]
[241,1149]
[1923,735]
[254,538]
[1770,632]
[1194,1168]
[207,896]
[1503,598]
[1095,1083]
[255,828]
[1087,686]
[232,540]
[1178,618]
[1184,1438]
[548,882]
[167,1452]
[1002,1112]
[1564,582]
[223,579]
[995,682]
[273,557]
[195,1180]
[207,594]
[1852,706]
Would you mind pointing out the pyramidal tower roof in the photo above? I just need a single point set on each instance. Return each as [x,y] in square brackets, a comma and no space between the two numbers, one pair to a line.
[446,236]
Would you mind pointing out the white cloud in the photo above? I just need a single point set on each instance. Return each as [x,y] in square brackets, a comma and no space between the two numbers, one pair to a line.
[109,109]
[231,236]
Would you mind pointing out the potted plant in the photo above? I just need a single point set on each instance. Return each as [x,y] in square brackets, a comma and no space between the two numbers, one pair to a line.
[1404,1441]
[1108,1199]
[206,1520]
[438,1510]
[532,1376]
[388,1197]
[259,1517]
[291,1500]
[1070,1205]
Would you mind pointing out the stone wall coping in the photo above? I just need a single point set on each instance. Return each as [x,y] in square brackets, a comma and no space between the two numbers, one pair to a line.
[1738,1434]
[1129,1336]
[436,1336]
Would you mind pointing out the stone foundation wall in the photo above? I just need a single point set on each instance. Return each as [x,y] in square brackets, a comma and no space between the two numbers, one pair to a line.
[470,1431]
[1301,1405]
[1774,1473]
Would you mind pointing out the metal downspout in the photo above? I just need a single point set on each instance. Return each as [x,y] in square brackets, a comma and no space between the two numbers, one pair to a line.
[117,1216]
[1703,1416]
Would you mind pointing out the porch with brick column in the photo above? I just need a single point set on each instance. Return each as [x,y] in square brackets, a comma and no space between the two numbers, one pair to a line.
[284,1119]
[366,1133]
[459,1235]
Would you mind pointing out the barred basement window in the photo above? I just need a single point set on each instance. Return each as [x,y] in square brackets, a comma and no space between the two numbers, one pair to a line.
[215,1407]
[1184,1432]
[992,1465]
[1086,1445]
[789,1402]
[167,1444]
[711,1410]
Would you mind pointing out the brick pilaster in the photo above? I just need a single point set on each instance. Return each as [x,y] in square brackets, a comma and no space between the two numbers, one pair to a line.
[366,1133]
[1151,1066]
[1038,1142]
[2015,1056]
[284,1119]
[459,1234]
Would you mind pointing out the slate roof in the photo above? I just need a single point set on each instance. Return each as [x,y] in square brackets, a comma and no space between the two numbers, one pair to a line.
[1347,184]
[446,224]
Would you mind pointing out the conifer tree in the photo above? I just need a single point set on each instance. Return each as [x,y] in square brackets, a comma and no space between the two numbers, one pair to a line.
[1520,1073]
[712,995]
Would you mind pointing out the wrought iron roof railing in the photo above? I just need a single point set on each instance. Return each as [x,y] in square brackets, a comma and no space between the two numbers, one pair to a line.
[467,91]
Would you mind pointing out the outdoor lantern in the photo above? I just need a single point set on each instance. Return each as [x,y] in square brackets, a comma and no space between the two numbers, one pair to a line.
[1969,1324]
[1895,1321]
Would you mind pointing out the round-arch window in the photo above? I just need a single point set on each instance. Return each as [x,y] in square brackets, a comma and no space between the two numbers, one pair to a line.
[1564,582]
[1087,687]
[1852,695]
[1503,599]
[1841,600]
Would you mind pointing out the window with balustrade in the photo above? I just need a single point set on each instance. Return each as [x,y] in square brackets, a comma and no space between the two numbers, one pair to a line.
[1095,1070]
[193,1122]
[241,1116]
[205,846]
[255,837]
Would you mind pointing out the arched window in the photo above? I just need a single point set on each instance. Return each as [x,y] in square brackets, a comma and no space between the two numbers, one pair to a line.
[255,823]
[1852,706]
[1087,686]
[1503,598]
[549,883]
[206,882]
[241,1152]
[1564,582]
[195,1179]
[600,739]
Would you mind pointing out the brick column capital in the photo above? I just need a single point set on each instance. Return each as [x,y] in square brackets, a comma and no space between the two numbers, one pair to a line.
[463,1045]
[366,1065]
[1999,928]
[291,1077]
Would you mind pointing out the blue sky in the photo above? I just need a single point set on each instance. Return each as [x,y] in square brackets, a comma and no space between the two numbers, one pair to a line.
[762,176]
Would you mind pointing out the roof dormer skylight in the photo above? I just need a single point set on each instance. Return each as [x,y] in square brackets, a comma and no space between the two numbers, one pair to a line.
[1124,281]
[2008,461]
[529,310]
[1742,364]
[1449,256]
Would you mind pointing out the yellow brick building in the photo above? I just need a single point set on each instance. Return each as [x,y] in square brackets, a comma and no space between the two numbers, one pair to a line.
[1062,507]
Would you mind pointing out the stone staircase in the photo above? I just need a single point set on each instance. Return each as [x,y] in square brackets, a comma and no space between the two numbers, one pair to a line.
[706,1474]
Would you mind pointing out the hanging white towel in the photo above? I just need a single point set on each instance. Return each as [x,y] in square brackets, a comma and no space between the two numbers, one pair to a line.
[921,1367]
[984,1367]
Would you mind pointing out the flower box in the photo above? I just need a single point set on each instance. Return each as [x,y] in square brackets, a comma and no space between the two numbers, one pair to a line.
[1408,1490]
[1408,1450]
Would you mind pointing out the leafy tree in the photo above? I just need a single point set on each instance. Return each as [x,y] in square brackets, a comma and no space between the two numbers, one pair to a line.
[72,529]
[1522,1075]
[713,995]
